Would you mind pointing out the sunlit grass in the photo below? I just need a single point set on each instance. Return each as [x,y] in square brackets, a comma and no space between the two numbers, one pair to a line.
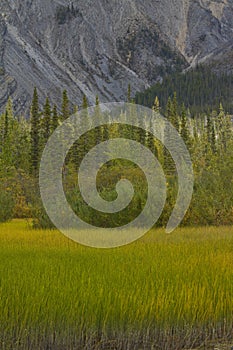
[54,291]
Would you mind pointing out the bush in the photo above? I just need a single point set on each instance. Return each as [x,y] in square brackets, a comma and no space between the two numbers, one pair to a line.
[6,205]
[40,218]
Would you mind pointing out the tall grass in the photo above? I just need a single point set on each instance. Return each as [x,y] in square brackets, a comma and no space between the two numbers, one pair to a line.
[163,291]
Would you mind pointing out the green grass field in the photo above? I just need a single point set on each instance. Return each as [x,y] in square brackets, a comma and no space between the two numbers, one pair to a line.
[162,292]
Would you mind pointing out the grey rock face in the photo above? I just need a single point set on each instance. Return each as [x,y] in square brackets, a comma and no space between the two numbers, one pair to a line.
[99,47]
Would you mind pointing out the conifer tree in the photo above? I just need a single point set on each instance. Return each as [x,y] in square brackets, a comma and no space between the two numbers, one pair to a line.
[85,102]
[169,109]
[184,132]
[35,125]
[65,111]
[55,121]
[80,147]
[85,119]
[213,139]
[224,129]
[46,121]
[99,130]
[209,128]
[169,165]
[6,125]
[150,141]
[228,126]
[156,105]
[170,115]
[129,100]
[174,113]
[195,130]
[9,108]
[105,133]
[141,133]
[8,118]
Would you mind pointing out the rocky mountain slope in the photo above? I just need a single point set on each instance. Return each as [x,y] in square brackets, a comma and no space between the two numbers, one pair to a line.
[99,47]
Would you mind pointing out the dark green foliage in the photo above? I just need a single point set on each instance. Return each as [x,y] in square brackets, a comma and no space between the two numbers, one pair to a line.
[213,194]
[140,134]
[208,137]
[213,139]
[211,135]
[224,126]
[174,118]
[108,177]
[156,105]
[35,125]
[81,146]
[169,165]
[129,99]
[65,111]
[6,205]
[46,122]
[185,132]
[169,109]
[55,122]
[199,89]
[40,217]
[85,102]
[97,116]
[85,120]
[150,142]
[6,125]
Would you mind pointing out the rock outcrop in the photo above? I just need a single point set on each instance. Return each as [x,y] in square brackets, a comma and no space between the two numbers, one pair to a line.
[99,47]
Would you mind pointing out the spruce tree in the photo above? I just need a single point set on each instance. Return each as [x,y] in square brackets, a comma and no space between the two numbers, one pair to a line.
[209,128]
[174,119]
[168,161]
[169,108]
[35,125]
[85,120]
[46,121]
[224,124]
[228,127]
[213,139]
[80,147]
[141,133]
[9,108]
[97,116]
[55,121]
[65,111]
[195,130]
[6,125]
[184,132]
[150,141]
[129,100]
[156,105]
[8,118]
[85,102]
[221,124]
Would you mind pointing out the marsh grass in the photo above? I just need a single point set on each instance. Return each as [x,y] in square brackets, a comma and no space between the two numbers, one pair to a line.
[162,292]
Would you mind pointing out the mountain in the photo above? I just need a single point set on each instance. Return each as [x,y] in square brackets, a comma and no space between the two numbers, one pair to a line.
[99,47]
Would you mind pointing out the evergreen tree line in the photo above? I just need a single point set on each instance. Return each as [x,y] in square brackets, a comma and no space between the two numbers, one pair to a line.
[200,89]
[207,136]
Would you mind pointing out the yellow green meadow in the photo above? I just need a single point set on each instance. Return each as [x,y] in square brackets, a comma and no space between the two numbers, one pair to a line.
[165,291]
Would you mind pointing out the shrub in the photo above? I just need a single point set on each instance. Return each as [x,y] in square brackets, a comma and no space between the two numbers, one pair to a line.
[6,205]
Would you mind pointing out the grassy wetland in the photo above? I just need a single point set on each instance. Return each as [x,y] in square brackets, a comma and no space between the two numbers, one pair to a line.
[162,292]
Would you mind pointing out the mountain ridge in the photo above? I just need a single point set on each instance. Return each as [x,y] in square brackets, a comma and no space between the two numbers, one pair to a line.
[99,48]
